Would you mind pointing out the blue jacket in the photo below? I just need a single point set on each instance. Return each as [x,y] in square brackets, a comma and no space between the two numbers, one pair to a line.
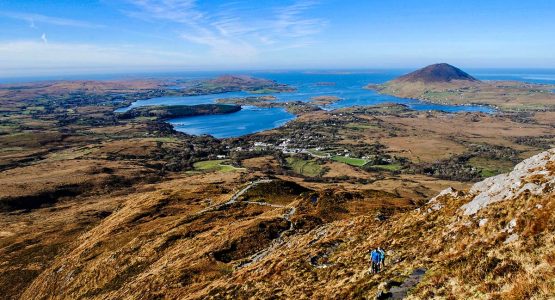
[375,256]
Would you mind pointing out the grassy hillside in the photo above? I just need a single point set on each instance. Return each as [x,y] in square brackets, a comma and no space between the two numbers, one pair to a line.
[101,207]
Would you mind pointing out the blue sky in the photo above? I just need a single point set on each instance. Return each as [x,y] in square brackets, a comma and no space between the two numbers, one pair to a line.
[47,37]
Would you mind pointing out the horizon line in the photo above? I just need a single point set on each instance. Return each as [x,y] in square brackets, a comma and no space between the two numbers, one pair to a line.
[235,70]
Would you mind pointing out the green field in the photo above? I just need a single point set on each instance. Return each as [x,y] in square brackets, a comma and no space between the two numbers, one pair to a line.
[438,95]
[145,118]
[391,167]
[357,162]
[308,168]
[214,165]
[11,149]
[490,167]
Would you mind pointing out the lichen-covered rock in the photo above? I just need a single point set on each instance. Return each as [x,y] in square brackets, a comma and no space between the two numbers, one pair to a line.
[535,175]
[435,203]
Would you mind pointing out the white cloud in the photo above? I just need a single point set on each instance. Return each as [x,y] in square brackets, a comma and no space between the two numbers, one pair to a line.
[234,34]
[17,58]
[234,29]
[33,19]
[291,23]
[180,11]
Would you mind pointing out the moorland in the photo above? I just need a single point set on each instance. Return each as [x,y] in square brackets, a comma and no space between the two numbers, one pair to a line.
[98,204]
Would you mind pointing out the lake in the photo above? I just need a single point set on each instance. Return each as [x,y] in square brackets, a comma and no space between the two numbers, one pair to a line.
[248,120]
[346,85]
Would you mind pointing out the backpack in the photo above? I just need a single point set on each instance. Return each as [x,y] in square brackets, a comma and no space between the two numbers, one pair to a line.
[382,254]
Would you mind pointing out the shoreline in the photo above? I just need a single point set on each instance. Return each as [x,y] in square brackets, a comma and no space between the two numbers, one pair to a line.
[495,108]
[274,125]
[518,107]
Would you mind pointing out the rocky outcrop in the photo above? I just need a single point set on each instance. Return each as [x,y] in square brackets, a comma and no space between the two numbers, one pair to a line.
[535,175]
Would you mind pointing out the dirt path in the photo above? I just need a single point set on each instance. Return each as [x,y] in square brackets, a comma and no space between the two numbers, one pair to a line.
[401,291]
[290,211]
[276,242]
[233,198]
[236,196]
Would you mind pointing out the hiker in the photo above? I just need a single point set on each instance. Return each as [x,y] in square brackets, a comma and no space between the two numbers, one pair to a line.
[375,258]
[382,257]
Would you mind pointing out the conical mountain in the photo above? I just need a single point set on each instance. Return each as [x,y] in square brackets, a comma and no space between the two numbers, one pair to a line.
[436,73]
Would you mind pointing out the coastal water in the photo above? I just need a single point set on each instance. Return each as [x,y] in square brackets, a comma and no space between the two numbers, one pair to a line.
[250,119]
[191,100]
[541,76]
[349,86]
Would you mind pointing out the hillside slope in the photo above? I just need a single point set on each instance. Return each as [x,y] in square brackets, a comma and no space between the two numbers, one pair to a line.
[446,84]
[495,241]
[436,73]
[503,250]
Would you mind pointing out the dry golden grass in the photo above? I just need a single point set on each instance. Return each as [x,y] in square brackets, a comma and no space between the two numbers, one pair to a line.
[157,241]
[48,176]
[546,118]
[261,163]
[508,95]
[337,169]
[117,236]
[486,127]
[423,148]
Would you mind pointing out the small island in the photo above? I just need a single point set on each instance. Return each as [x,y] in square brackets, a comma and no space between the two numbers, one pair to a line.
[175,111]
[324,100]
[294,107]
[252,100]
[249,84]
